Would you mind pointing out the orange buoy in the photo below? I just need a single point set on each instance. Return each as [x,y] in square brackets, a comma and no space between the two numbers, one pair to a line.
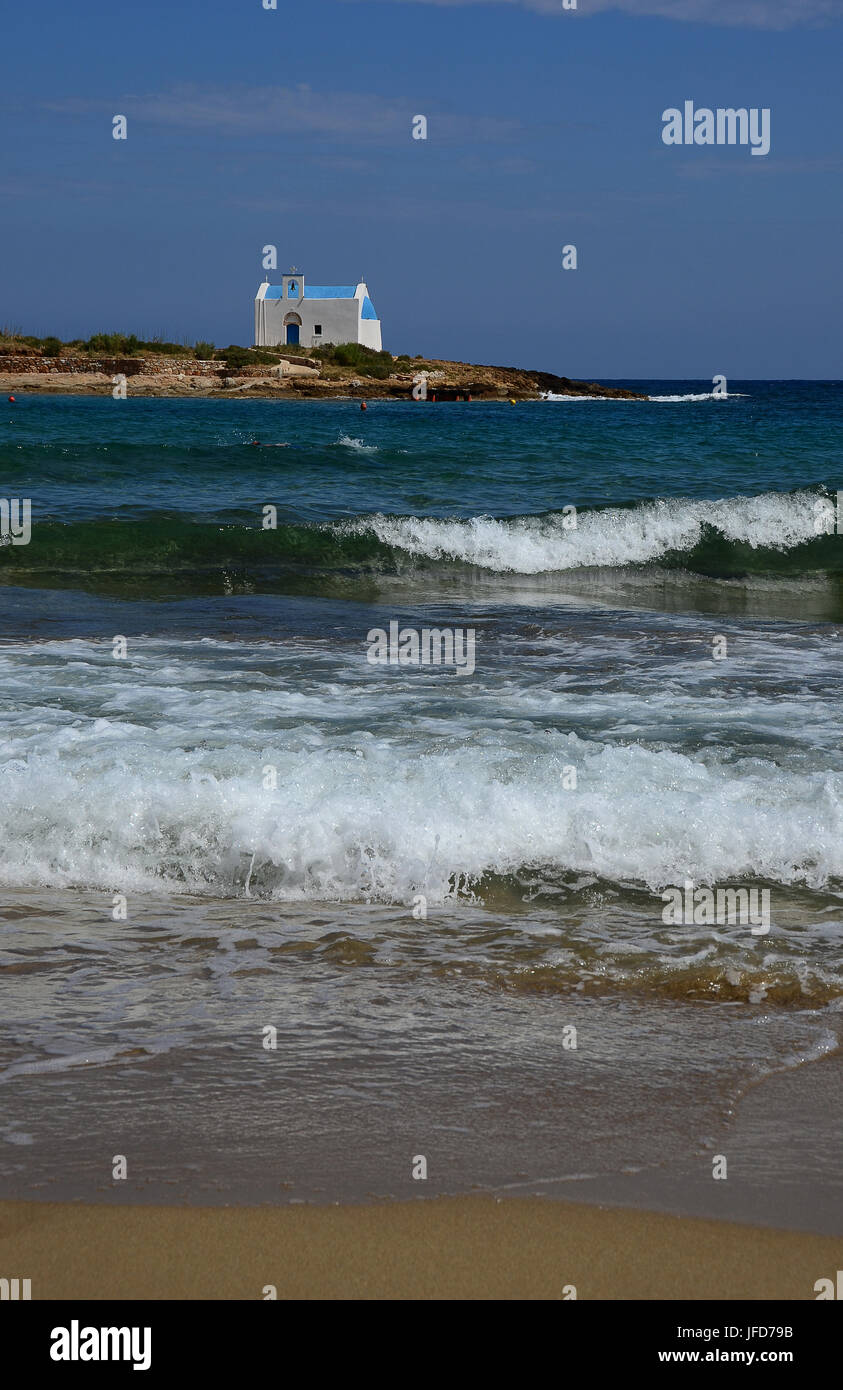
[363,405]
[11,400]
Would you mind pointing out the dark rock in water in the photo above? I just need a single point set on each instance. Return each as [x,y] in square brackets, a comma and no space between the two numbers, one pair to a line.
[564,386]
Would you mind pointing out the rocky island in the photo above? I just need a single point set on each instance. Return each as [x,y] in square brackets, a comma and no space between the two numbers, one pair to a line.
[48,366]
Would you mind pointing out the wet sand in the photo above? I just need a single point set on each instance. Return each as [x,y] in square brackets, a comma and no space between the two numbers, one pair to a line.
[442,1248]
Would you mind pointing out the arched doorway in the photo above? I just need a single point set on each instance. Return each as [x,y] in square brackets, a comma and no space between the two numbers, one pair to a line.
[292,327]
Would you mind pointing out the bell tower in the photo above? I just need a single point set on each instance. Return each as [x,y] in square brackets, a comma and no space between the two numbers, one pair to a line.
[292,285]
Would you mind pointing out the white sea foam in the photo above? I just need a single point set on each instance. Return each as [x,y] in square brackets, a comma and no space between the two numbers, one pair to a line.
[612,537]
[615,400]
[359,445]
[121,806]
[93,1058]
[144,776]
[700,396]
[626,400]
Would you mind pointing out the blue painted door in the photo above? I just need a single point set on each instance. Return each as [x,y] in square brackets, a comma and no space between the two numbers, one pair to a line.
[292,332]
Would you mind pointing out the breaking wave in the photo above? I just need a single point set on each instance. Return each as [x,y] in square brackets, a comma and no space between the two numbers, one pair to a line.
[115,804]
[772,534]
[726,536]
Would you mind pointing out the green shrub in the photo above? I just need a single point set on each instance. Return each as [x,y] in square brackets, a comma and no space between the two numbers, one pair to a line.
[160,345]
[236,356]
[364,361]
[203,351]
[113,344]
[260,358]
[129,345]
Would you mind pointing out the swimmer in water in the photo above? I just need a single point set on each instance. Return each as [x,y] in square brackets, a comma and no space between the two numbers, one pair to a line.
[270,446]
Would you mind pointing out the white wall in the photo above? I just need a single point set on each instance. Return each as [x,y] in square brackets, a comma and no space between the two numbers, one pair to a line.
[339,320]
[370,329]
[370,333]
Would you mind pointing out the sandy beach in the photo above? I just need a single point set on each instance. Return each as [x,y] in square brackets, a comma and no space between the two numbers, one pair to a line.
[464,1248]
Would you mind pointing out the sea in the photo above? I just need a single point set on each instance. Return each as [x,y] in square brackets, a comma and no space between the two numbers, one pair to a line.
[286,910]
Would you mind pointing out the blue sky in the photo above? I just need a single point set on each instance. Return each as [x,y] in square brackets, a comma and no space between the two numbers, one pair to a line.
[249,126]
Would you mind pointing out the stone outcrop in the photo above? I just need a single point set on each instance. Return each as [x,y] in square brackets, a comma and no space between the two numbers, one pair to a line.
[163,375]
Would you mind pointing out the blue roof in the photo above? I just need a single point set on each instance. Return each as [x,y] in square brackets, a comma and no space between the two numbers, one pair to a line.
[316,292]
[330,291]
[326,292]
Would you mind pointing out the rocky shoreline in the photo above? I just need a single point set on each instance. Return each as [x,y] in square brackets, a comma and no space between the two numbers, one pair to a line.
[291,378]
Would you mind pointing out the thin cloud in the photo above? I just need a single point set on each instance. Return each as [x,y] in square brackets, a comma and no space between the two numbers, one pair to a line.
[742,14]
[244,110]
[712,168]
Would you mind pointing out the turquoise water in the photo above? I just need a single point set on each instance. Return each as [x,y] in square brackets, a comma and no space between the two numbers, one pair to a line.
[419,874]
[168,496]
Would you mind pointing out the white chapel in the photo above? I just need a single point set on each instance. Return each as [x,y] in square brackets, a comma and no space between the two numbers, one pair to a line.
[295,312]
